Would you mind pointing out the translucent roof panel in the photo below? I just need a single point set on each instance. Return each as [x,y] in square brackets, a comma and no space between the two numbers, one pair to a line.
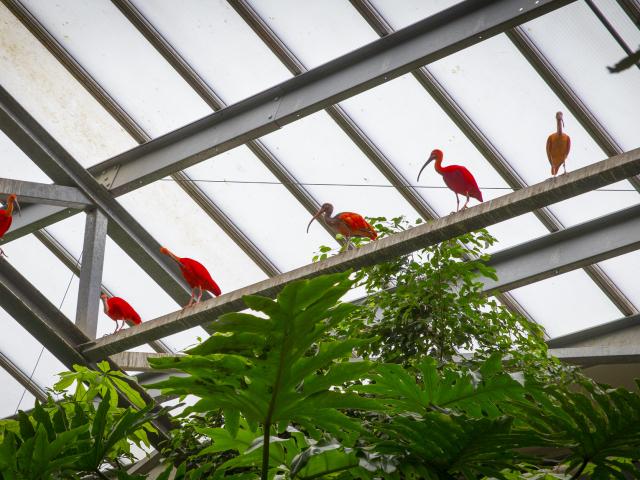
[623,270]
[53,97]
[513,106]
[12,398]
[401,14]
[566,303]
[16,165]
[334,170]
[122,61]
[581,48]
[202,35]
[265,211]
[317,31]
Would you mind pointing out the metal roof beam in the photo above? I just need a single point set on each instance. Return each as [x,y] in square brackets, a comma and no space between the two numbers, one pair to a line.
[494,211]
[560,252]
[44,193]
[451,30]
[490,152]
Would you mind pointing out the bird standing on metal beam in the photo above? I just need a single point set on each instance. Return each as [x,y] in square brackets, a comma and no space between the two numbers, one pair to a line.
[196,275]
[348,224]
[6,216]
[558,146]
[456,177]
[118,309]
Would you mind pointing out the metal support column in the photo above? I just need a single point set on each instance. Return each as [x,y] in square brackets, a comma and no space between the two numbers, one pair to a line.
[95,240]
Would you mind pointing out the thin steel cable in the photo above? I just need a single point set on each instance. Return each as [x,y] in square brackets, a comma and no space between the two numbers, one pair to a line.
[375,185]
[42,350]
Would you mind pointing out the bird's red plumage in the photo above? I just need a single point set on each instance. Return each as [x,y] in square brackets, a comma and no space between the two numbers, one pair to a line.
[356,226]
[119,309]
[5,222]
[460,180]
[197,275]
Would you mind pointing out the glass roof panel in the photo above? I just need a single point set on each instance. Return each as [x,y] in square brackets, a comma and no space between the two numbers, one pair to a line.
[566,303]
[316,31]
[124,63]
[401,14]
[203,33]
[513,106]
[321,156]
[17,165]
[623,270]
[581,48]
[266,212]
[53,97]
[620,21]
[11,400]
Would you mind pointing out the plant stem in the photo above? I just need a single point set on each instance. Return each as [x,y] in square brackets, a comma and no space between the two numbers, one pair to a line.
[576,475]
[267,421]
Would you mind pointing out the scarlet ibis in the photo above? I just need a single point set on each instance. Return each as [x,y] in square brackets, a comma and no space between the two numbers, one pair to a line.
[196,275]
[118,309]
[558,146]
[456,177]
[349,224]
[6,216]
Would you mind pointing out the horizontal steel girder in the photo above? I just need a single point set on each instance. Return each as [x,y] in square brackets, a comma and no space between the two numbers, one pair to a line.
[560,252]
[44,193]
[426,41]
[597,355]
[494,211]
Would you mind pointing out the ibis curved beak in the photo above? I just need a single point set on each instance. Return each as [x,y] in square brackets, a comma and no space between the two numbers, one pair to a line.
[314,217]
[18,205]
[431,159]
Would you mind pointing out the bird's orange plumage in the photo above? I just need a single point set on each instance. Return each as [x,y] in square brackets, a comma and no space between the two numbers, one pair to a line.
[119,309]
[354,225]
[558,146]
